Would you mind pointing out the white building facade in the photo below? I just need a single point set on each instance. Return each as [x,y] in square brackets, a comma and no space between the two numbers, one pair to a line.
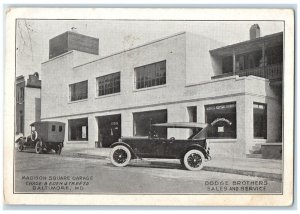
[167,80]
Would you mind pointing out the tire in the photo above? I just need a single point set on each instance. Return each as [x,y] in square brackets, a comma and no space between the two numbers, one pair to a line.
[120,156]
[193,160]
[39,147]
[20,148]
[58,149]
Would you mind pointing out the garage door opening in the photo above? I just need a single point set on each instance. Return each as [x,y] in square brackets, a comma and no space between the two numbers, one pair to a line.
[142,122]
[109,130]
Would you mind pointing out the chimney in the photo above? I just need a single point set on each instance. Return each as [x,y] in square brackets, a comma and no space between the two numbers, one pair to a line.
[254,31]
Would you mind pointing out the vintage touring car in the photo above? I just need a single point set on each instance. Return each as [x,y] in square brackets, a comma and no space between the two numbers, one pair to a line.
[45,136]
[192,152]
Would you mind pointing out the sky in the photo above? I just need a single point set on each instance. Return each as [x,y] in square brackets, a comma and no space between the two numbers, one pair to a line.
[32,36]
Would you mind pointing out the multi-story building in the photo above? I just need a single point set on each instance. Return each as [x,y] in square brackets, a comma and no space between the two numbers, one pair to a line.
[28,103]
[180,78]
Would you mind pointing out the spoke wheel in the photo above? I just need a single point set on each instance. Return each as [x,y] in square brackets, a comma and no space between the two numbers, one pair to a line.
[39,147]
[193,160]
[120,156]
[20,148]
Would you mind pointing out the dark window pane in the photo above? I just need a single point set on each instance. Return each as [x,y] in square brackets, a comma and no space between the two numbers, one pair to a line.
[78,129]
[142,122]
[60,129]
[109,84]
[53,128]
[151,75]
[222,118]
[260,120]
[79,91]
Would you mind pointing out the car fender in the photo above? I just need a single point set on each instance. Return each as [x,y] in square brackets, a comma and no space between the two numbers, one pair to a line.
[198,147]
[126,145]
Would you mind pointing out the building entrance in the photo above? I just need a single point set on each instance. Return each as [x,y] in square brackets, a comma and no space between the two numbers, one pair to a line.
[109,130]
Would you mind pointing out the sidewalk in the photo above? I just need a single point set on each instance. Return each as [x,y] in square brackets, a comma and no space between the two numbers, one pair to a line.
[265,168]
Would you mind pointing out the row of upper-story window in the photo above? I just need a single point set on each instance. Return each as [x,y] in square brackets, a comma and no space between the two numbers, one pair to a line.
[144,76]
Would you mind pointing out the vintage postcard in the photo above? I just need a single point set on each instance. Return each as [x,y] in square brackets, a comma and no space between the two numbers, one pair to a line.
[149,106]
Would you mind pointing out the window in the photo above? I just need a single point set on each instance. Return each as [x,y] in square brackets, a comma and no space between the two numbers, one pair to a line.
[274,55]
[248,60]
[192,113]
[60,129]
[222,118]
[79,91]
[227,64]
[142,122]
[78,129]
[20,95]
[260,120]
[53,128]
[108,84]
[20,128]
[150,75]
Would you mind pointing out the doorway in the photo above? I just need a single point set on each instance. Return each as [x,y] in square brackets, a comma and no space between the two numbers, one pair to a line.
[109,129]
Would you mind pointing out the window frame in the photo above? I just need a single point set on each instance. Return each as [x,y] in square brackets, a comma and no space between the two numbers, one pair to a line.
[70,91]
[144,77]
[115,85]
[214,107]
[87,130]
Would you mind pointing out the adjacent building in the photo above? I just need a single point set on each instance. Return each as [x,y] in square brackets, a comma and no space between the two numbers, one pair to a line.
[28,103]
[180,78]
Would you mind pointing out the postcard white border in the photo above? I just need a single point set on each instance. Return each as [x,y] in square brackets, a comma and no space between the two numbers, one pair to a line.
[286,15]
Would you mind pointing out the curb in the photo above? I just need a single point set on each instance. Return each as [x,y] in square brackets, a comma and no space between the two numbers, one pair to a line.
[273,176]
[84,155]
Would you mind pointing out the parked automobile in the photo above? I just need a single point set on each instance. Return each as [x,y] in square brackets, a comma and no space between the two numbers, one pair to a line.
[192,152]
[45,136]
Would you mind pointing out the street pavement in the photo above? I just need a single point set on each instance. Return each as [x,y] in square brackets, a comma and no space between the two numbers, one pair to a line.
[259,167]
[48,173]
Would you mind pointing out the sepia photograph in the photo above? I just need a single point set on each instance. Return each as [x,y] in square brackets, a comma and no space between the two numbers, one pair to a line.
[149,106]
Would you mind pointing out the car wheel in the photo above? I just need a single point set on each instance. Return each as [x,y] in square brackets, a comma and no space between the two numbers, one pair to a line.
[120,156]
[193,160]
[20,147]
[39,147]
[58,149]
